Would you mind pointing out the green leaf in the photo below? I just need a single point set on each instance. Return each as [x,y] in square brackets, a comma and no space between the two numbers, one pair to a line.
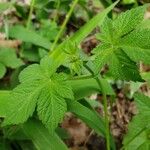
[106,34]
[119,47]
[59,57]
[120,65]
[93,23]
[128,21]
[139,127]
[90,117]
[145,24]
[85,87]
[2,70]
[21,33]
[41,137]
[39,89]
[51,106]
[136,45]
[74,61]
[24,98]
[48,29]
[4,103]
[134,87]
[9,58]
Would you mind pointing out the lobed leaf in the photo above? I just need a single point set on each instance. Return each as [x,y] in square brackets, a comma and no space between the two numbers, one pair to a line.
[23,103]
[51,106]
[59,57]
[39,89]
[128,20]
[136,45]
[123,45]
[139,127]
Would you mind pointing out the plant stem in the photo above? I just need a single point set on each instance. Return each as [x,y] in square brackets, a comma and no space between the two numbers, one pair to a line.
[56,11]
[64,24]
[105,106]
[30,13]
[105,113]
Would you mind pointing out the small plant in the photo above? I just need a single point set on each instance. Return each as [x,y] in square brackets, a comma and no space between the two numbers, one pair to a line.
[46,92]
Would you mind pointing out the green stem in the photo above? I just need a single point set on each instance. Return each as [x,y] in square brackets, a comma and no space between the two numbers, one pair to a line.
[105,112]
[56,11]
[105,106]
[30,13]
[64,24]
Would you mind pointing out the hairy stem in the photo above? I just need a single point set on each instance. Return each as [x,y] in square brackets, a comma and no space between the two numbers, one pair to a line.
[30,13]
[64,24]
[105,106]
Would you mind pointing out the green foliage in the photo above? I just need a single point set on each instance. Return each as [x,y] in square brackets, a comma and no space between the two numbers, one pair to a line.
[90,117]
[139,128]
[41,137]
[136,45]
[40,87]
[48,29]
[58,56]
[74,59]
[44,90]
[21,33]
[65,76]
[8,58]
[86,87]
[123,45]
[4,103]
